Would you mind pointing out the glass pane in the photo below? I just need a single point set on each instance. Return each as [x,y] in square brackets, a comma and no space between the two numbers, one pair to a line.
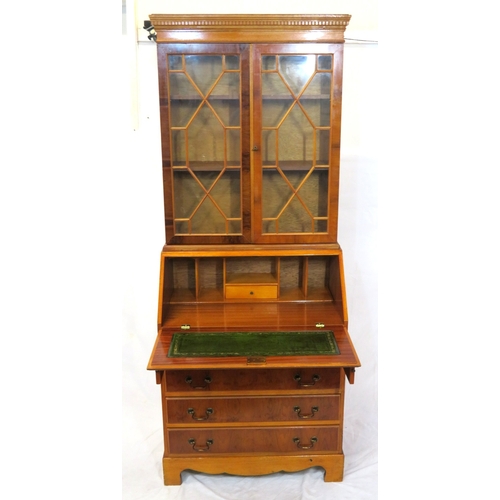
[269,147]
[273,85]
[325,62]
[233,152]
[273,111]
[227,111]
[226,194]
[316,100]
[205,137]
[178,147]
[295,177]
[181,112]
[269,226]
[184,100]
[225,99]
[182,227]
[276,99]
[187,194]
[322,147]
[206,177]
[234,227]
[208,219]
[232,63]
[275,193]
[296,139]
[297,70]
[269,63]
[227,86]
[204,70]
[321,226]
[314,193]
[295,219]
[181,88]
[174,63]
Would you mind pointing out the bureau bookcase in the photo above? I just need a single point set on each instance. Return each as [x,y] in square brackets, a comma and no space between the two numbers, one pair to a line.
[252,352]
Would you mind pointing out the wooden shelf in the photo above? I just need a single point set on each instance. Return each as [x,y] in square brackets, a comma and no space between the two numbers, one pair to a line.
[294,165]
[197,97]
[290,97]
[208,166]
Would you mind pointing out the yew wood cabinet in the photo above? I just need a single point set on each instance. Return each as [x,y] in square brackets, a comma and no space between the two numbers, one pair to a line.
[252,352]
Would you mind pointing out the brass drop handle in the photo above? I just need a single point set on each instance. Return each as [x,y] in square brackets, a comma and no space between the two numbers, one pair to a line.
[209,443]
[208,412]
[208,381]
[315,378]
[255,148]
[314,409]
[306,447]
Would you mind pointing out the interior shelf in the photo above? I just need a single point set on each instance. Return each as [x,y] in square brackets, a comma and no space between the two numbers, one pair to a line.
[206,165]
[294,165]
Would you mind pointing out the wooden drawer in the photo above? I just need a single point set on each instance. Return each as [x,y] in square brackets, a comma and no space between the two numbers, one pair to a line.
[250,286]
[253,380]
[253,409]
[246,440]
[251,291]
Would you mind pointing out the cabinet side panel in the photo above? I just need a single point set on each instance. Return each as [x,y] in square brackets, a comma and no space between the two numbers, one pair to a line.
[165,136]
[338,61]
[336,285]
[165,290]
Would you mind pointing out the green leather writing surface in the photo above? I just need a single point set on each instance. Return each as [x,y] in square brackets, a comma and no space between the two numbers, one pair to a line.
[298,343]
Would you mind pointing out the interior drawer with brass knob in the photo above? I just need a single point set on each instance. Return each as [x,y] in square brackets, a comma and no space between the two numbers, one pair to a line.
[251,286]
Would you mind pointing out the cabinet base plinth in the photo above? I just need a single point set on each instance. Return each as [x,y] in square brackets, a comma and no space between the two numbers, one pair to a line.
[333,465]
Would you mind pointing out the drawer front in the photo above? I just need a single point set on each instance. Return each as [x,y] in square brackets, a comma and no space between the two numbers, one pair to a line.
[255,380]
[258,409]
[251,291]
[255,440]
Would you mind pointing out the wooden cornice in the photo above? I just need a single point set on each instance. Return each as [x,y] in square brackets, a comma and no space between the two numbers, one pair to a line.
[241,28]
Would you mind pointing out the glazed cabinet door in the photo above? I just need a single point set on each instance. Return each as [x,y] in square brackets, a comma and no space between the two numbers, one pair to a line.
[250,142]
[296,141]
[204,111]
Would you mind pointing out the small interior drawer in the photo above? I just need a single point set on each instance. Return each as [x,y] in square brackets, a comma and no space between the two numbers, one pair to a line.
[251,291]
[251,286]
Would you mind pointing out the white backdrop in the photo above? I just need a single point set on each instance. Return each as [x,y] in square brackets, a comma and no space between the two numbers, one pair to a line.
[82,229]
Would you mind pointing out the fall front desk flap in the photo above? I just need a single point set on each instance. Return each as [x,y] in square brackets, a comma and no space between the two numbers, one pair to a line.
[299,343]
